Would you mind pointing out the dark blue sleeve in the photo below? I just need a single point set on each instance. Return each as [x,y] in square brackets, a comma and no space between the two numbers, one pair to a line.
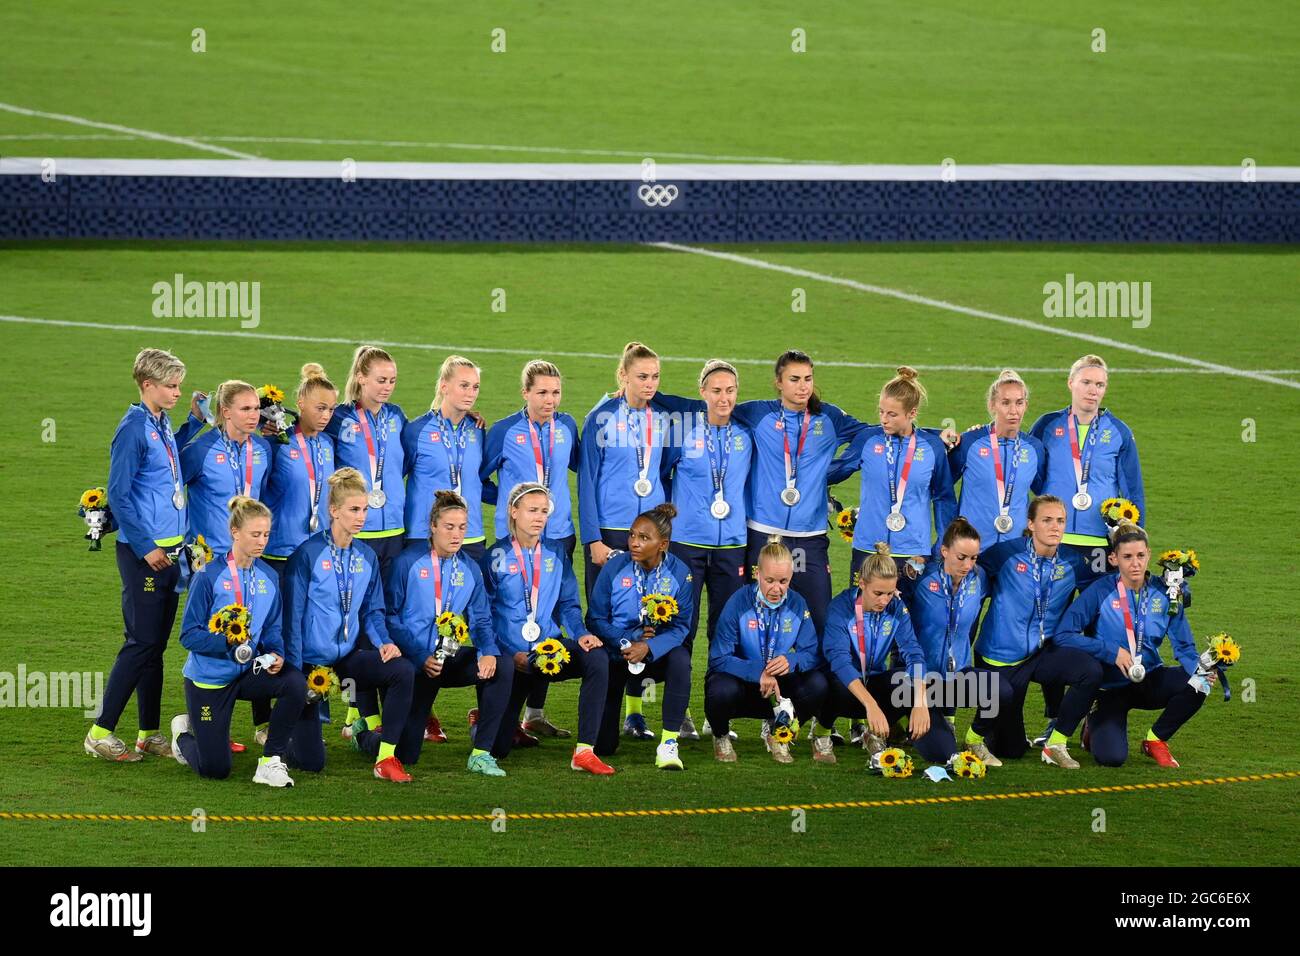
[992,559]
[568,610]
[906,642]
[372,609]
[722,652]
[957,455]
[273,628]
[600,613]
[575,450]
[1039,430]
[268,455]
[674,635]
[837,653]
[335,423]
[1040,476]
[847,428]
[847,461]
[410,439]
[493,455]
[297,584]
[588,473]
[680,405]
[805,656]
[1184,645]
[195,635]
[124,457]
[188,431]
[941,487]
[480,616]
[1078,623]
[191,463]
[1130,475]
[398,572]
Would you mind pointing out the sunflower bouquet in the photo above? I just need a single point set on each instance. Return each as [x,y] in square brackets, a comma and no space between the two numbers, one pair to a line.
[893,762]
[1221,654]
[846,522]
[658,608]
[966,764]
[320,681]
[550,656]
[196,554]
[784,726]
[1178,567]
[232,623]
[99,519]
[453,633]
[1115,510]
[273,415]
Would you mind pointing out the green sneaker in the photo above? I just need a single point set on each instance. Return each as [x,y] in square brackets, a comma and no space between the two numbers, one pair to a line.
[485,764]
[358,728]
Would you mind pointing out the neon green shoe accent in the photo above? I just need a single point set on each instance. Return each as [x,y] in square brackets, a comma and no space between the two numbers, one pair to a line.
[1151,735]
[476,752]
[99,733]
[631,705]
[667,735]
[973,738]
[386,751]
[373,722]
[352,715]
[144,735]
[1057,738]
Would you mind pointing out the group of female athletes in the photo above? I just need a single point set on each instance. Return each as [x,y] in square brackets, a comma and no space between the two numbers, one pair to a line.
[353,538]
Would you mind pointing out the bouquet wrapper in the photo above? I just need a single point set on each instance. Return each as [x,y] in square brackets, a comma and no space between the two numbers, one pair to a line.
[100,521]
[446,648]
[1206,666]
[783,712]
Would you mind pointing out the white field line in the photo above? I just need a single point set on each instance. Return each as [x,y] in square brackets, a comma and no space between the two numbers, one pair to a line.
[114,127]
[979,313]
[462,348]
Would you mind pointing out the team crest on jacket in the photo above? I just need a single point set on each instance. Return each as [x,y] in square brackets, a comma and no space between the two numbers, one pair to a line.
[424,572]
[1157,605]
[887,628]
[221,458]
[520,439]
[1105,436]
[934,586]
[984,452]
[325,565]
[817,428]
[878,448]
[549,565]
[1021,567]
[1060,432]
[627,582]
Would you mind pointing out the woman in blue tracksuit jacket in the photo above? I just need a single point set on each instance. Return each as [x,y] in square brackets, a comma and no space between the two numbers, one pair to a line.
[423,585]
[332,590]
[945,606]
[534,597]
[765,648]
[616,615]
[795,437]
[865,623]
[146,491]
[1122,618]
[1031,582]
[215,678]
[231,459]
[443,449]
[537,443]
[367,434]
[998,466]
[623,443]
[1091,453]
[905,478]
[300,473]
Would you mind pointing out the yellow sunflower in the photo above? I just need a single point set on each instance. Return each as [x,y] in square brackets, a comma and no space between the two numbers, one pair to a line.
[320,680]
[662,613]
[271,393]
[236,633]
[901,766]
[1192,559]
[782,734]
[549,646]
[93,498]
[1225,649]
[1129,513]
[461,631]
[214,623]
[890,757]
[549,665]
[563,655]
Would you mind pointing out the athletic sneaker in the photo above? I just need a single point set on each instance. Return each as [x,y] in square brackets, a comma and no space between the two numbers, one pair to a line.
[433,731]
[180,725]
[542,727]
[1057,754]
[666,756]
[236,747]
[856,730]
[837,738]
[110,748]
[273,772]
[707,731]
[485,764]
[634,726]
[155,744]
[982,751]
[823,750]
[524,739]
[1158,751]
[390,768]
[780,752]
[722,749]
[586,759]
[688,731]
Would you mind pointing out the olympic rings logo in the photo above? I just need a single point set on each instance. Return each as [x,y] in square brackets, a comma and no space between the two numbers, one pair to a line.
[657,195]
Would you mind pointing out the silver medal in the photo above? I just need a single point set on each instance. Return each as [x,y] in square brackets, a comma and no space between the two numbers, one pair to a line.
[1003,523]
[532,631]
[313,523]
[243,652]
[377,498]
[1082,501]
[642,487]
[790,496]
[895,521]
[719,509]
[178,499]
[1137,672]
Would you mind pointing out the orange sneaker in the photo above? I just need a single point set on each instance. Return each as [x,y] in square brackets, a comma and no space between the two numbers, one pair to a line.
[433,731]
[236,747]
[1158,751]
[390,768]
[586,759]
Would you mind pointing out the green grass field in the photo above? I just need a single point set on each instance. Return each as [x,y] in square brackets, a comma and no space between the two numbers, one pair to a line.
[993,83]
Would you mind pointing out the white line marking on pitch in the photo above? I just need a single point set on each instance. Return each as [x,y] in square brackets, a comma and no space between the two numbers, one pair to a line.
[603,356]
[976,313]
[114,127]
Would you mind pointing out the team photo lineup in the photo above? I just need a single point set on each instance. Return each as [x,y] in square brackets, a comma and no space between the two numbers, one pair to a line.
[339,571]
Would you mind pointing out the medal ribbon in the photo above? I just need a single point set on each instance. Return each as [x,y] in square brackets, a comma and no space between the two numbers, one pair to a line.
[530,597]
[898,486]
[543,464]
[343,578]
[376,458]
[643,454]
[792,467]
[1135,640]
[865,644]
[956,602]
[1083,462]
[718,467]
[766,618]
[1042,594]
[1006,487]
[314,487]
[169,442]
[457,460]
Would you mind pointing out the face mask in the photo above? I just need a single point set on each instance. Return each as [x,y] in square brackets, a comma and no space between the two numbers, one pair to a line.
[773,605]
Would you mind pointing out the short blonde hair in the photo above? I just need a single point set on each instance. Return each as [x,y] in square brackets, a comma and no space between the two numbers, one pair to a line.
[1088,361]
[449,366]
[537,369]
[244,509]
[156,365]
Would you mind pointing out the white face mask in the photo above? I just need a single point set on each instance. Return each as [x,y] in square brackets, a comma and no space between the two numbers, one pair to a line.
[771,604]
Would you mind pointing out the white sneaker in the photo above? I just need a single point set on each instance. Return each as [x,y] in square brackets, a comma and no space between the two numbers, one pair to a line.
[666,756]
[1057,754]
[707,731]
[180,725]
[823,749]
[110,748]
[688,731]
[273,773]
[982,751]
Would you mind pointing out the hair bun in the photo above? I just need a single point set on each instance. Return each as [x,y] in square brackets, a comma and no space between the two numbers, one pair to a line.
[907,372]
[237,502]
[311,370]
[883,549]
[667,509]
